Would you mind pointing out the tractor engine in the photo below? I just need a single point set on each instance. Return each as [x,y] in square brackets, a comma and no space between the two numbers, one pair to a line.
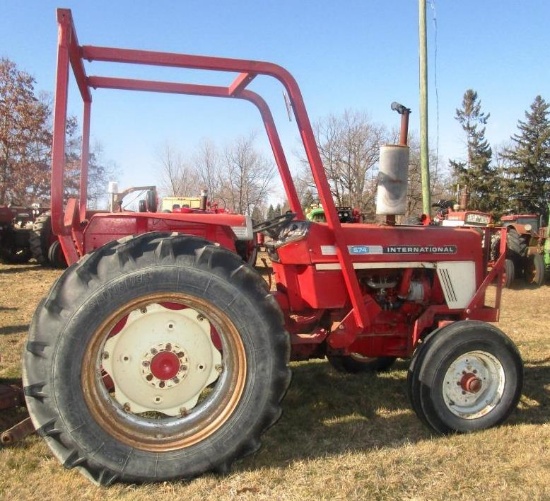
[391,288]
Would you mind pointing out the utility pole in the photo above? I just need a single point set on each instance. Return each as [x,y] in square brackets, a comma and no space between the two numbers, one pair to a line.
[423,71]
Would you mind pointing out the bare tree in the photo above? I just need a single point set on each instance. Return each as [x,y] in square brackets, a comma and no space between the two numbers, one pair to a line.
[99,170]
[247,176]
[440,179]
[25,137]
[349,148]
[178,178]
[207,163]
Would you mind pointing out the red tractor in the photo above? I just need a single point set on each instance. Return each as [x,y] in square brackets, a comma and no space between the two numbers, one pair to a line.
[161,354]
[451,214]
[16,232]
[526,244]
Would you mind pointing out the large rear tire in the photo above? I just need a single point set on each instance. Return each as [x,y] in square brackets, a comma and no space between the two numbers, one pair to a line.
[156,357]
[464,377]
[516,250]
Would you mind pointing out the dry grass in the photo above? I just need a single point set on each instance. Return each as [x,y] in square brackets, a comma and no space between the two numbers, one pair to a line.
[341,437]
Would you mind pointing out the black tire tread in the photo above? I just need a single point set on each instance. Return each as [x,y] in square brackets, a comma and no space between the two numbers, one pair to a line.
[535,270]
[516,250]
[86,277]
[428,361]
[39,238]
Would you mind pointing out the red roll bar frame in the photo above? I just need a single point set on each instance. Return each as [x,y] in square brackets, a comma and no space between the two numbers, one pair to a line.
[73,54]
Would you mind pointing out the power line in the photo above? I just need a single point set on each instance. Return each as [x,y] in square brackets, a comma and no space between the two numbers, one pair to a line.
[436,85]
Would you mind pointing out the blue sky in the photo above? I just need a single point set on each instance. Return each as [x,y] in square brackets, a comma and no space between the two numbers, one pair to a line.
[358,55]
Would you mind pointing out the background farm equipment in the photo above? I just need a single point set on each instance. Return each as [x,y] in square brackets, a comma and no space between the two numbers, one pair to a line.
[16,228]
[525,239]
[449,213]
[526,244]
[345,214]
[161,354]
[168,204]
[44,245]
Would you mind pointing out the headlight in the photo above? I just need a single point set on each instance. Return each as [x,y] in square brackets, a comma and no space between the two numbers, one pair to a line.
[295,230]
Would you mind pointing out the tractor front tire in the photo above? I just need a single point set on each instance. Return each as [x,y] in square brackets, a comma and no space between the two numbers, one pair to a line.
[509,273]
[40,236]
[464,377]
[534,270]
[156,357]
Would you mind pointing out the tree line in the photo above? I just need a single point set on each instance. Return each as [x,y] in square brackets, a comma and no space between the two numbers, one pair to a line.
[237,177]
[242,179]
[512,177]
[25,145]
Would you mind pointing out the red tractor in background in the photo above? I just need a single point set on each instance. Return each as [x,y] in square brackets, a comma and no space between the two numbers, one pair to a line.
[161,354]
[525,239]
[450,213]
[527,244]
[16,232]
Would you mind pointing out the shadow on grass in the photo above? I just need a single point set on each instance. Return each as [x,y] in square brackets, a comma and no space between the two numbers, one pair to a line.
[534,407]
[328,413]
[14,329]
[13,268]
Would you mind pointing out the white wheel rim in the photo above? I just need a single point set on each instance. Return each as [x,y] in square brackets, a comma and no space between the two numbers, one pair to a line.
[182,337]
[210,371]
[473,385]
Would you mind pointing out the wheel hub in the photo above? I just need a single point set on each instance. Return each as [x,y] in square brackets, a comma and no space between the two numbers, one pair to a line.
[165,365]
[161,360]
[473,384]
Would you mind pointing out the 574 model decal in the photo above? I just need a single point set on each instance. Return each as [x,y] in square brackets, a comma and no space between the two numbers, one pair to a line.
[402,249]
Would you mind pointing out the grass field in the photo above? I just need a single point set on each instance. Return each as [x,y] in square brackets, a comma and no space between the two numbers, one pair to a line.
[340,437]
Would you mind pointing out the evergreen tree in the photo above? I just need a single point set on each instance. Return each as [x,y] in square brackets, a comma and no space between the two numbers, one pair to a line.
[308,198]
[528,162]
[476,174]
[257,215]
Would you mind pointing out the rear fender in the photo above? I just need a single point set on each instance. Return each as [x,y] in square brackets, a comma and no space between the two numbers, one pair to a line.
[104,228]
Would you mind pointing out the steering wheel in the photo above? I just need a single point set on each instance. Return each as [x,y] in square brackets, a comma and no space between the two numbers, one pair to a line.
[272,226]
